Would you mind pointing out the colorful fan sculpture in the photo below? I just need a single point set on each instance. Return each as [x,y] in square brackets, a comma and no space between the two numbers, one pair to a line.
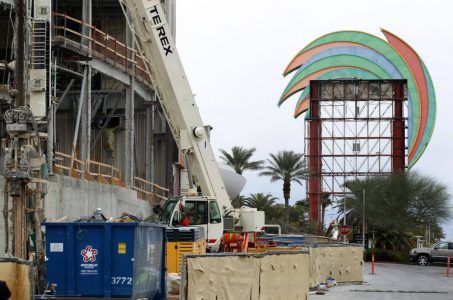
[353,54]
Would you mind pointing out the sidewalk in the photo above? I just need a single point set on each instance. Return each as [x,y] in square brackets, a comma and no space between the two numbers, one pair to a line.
[396,281]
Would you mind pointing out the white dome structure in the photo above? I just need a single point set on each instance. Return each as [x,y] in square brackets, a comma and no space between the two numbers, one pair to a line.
[234,183]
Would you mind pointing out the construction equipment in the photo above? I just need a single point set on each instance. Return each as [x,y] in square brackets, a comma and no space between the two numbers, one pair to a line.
[213,210]
[183,240]
[23,108]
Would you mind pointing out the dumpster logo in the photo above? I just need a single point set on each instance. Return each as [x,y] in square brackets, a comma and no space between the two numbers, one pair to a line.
[89,254]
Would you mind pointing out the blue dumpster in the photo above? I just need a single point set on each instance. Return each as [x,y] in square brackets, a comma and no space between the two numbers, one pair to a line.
[96,259]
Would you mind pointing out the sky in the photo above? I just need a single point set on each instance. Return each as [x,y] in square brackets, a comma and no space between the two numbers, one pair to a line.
[234,53]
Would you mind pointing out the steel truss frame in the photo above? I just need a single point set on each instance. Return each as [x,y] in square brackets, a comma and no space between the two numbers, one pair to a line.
[354,129]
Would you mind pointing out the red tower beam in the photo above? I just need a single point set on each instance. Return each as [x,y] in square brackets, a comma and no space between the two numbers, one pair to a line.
[398,151]
[314,182]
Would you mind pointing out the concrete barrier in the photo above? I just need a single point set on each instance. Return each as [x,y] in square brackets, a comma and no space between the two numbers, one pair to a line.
[246,276]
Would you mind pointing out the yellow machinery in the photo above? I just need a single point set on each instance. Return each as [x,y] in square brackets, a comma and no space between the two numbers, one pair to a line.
[183,240]
[175,250]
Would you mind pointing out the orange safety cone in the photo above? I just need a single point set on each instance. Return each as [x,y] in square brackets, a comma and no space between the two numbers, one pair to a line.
[372,264]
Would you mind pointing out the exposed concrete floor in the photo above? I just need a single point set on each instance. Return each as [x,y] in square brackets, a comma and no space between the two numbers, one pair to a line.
[394,281]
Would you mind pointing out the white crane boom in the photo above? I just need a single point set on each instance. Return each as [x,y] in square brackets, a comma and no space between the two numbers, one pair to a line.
[175,95]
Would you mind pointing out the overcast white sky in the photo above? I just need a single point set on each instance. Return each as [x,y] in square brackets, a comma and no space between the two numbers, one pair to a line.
[234,53]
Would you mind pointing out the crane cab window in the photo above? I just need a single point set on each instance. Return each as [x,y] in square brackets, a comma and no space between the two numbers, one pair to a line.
[166,212]
[196,212]
[214,213]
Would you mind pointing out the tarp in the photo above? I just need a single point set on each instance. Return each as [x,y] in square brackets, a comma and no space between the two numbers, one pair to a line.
[272,275]
[16,276]
[249,277]
[343,263]
[284,277]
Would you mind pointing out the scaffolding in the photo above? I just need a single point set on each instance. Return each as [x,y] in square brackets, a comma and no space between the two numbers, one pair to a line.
[354,129]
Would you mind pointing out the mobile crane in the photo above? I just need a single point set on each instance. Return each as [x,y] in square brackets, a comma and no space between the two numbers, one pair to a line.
[215,212]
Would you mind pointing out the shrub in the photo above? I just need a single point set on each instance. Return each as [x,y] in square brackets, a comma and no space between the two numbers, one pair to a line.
[384,255]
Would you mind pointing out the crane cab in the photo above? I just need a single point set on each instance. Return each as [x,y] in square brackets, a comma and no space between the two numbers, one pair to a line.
[195,211]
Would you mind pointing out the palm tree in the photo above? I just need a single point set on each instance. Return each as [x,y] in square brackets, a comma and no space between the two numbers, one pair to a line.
[260,201]
[287,166]
[299,212]
[239,159]
[239,201]
[275,214]
[401,204]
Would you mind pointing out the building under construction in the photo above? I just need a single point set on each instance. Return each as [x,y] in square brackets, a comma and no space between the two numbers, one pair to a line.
[81,128]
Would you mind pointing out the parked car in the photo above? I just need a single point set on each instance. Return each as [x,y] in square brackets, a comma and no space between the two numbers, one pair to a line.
[439,252]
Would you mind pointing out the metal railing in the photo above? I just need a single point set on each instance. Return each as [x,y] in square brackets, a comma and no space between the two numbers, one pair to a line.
[69,166]
[94,42]
[91,170]
[149,190]
[103,172]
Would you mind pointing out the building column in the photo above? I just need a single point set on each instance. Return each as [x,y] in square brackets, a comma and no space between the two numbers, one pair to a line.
[129,138]
[169,159]
[20,51]
[149,142]
[85,135]
[87,15]
[50,137]
[129,134]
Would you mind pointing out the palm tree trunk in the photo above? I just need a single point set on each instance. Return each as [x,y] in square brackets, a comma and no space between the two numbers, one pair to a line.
[286,194]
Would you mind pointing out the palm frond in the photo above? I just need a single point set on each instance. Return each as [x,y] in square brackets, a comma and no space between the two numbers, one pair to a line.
[240,159]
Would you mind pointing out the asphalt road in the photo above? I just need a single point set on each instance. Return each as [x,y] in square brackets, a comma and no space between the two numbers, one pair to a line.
[399,282]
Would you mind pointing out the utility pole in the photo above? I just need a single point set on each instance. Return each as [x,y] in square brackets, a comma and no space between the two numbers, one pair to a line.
[363,219]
